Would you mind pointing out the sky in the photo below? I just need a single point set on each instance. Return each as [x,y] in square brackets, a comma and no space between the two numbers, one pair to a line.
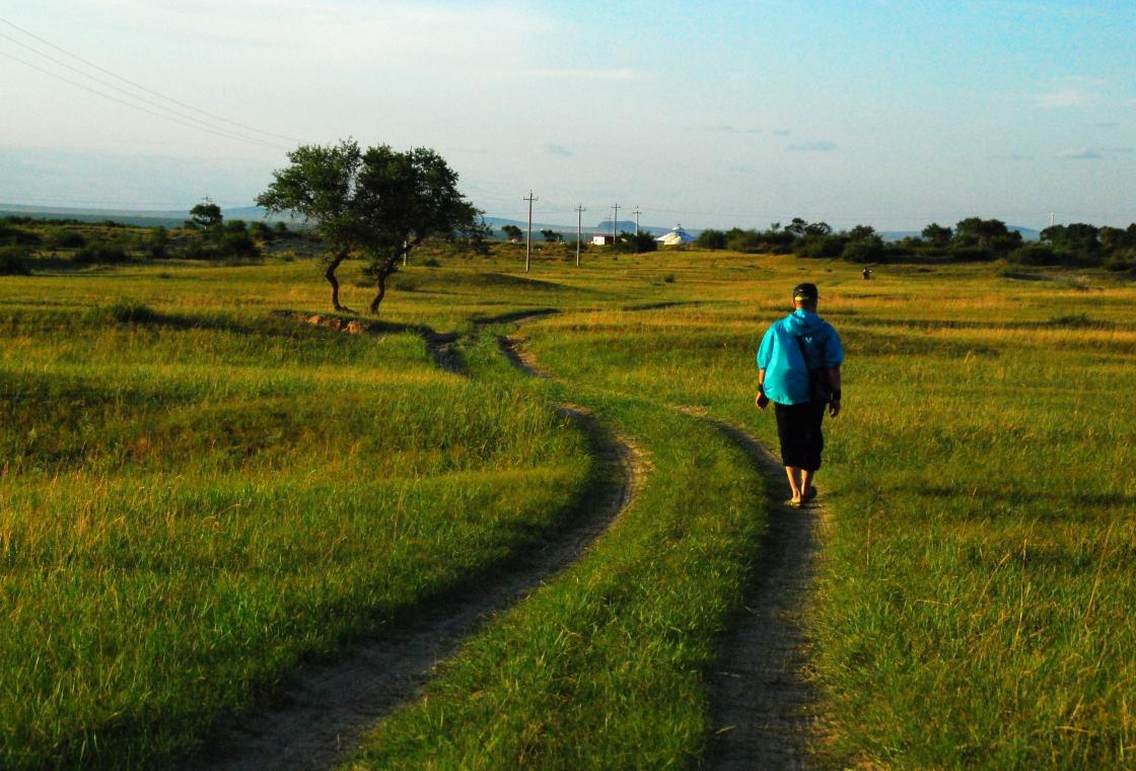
[708,114]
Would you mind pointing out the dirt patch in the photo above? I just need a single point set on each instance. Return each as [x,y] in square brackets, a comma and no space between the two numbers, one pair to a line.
[442,347]
[513,346]
[761,705]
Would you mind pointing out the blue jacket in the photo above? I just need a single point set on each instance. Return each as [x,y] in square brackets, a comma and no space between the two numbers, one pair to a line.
[780,355]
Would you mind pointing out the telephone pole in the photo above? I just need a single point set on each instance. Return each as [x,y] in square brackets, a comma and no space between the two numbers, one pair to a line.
[1051,218]
[637,213]
[579,230]
[614,224]
[528,242]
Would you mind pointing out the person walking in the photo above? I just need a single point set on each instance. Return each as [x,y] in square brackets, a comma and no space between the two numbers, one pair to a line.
[798,369]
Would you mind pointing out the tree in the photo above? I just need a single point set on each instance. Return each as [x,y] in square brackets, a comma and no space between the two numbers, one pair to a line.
[403,198]
[551,236]
[818,229]
[321,184]
[205,216]
[711,239]
[937,234]
[862,233]
[637,242]
[512,232]
[992,235]
[797,226]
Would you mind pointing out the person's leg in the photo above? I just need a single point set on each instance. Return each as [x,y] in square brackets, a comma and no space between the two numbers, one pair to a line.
[794,474]
[815,446]
[807,490]
[787,432]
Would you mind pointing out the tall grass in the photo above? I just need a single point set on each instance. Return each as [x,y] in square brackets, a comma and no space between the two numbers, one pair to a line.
[192,505]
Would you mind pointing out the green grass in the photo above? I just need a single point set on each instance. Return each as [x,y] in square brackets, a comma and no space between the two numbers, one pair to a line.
[191,506]
[158,425]
[602,667]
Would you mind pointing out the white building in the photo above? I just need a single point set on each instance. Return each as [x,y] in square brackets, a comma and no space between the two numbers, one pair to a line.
[677,237]
[602,239]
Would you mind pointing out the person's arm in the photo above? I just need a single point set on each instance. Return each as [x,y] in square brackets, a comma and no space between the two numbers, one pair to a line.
[761,400]
[834,384]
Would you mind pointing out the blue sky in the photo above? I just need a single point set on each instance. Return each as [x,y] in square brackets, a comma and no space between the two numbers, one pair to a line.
[709,114]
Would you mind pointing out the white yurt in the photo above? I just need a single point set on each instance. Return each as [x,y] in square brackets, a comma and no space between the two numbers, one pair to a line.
[677,237]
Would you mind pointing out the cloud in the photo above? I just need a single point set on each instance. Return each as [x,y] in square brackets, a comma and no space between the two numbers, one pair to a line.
[589,73]
[558,150]
[819,146]
[1069,92]
[1011,157]
[783,132]
[1083,154]
[726,128]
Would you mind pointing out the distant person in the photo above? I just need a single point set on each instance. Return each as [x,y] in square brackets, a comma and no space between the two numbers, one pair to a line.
[798,369]
[866,274]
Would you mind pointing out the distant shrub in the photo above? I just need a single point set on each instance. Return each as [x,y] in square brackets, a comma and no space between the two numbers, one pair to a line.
[711,239]
[669,278]
[238,243]
[819,246]
[1123,260]
[868,250]
[431,262]
[14,261]
[970,254]
[1035,254]
[100,254]
[68,239]
[158,245]
[132,312]
[16,236]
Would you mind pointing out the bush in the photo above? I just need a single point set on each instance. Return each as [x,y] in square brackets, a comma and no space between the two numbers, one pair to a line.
[819,246]
[15,236]
[1123,260]
[100,254]
[68,239]
[132,312]
[869,250]
[970,254]
[711,239]
[14,261]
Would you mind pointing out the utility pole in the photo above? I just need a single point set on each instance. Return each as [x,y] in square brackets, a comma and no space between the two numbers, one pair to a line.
[528,242]
[1051,216]
[579,230]
[637,213]
[614,224]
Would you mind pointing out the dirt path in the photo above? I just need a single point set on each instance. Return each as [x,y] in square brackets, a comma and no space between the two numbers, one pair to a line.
[761,707]
[327,706]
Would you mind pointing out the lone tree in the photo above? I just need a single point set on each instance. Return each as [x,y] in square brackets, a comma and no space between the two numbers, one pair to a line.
[321,184]
[404,198]
[512,232]
[205,216]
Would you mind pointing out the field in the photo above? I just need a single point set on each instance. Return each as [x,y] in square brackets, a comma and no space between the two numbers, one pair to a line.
[203,496]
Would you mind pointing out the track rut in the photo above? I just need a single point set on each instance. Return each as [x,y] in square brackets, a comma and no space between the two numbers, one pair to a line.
[326,706]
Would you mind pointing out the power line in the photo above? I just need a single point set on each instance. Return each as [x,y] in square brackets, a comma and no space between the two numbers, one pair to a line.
[123,91]
[131,105]
[139,86]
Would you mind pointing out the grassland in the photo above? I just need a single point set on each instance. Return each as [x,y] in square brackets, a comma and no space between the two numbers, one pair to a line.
[972,608]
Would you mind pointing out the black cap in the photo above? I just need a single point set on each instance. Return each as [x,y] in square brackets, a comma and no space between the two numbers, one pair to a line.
[805,293]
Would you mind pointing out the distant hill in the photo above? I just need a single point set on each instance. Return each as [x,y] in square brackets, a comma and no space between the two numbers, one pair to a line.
[140,217]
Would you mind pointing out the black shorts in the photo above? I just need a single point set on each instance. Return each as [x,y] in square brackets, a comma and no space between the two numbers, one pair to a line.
[798,427]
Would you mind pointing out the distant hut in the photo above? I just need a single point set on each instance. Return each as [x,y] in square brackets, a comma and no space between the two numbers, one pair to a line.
[677,237]
[602,239]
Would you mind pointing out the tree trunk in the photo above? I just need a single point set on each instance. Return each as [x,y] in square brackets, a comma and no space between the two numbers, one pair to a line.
[382,293]
[329,274]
